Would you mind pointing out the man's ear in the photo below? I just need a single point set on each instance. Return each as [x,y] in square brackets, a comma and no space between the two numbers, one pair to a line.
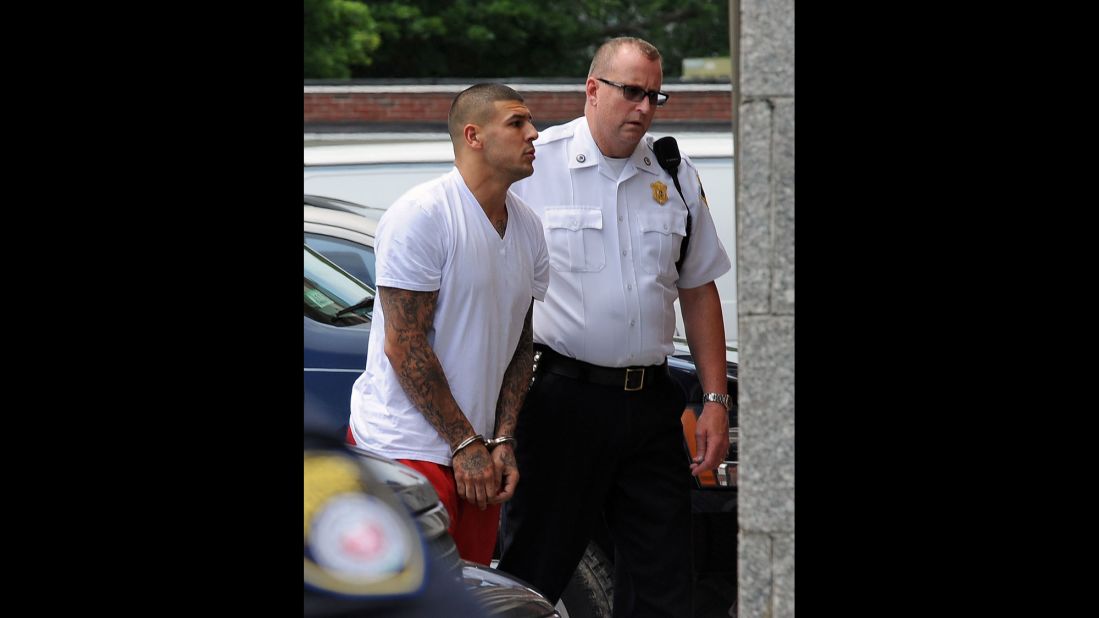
[589,89]
[470,135]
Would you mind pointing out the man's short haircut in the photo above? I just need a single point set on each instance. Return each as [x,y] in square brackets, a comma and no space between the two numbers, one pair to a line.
[474,105]
[606,52]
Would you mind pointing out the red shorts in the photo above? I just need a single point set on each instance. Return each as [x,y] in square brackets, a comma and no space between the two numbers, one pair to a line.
[473,530]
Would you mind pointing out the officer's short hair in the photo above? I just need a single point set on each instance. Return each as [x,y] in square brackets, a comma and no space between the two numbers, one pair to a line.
[603,56]
[474,105]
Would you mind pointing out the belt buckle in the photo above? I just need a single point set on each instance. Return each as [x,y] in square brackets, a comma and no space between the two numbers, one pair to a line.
[640,381]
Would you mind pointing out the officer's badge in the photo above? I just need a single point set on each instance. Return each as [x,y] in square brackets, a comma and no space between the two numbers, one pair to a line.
[702,192]
[660,192]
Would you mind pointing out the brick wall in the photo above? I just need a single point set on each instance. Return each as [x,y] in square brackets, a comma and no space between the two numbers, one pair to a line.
[379,105]
[358,107]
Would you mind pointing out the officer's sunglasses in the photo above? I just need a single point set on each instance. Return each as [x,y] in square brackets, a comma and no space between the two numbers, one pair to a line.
[636,93]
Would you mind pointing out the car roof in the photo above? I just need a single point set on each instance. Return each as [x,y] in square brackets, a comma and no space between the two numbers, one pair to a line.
[317,219]
[436,148]
[431,149]
[336,204]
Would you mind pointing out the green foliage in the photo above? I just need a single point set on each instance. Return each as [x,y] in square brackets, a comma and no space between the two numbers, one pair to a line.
[339,35]
[511,38]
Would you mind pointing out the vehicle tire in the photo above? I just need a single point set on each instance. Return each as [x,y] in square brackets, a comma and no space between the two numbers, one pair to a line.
[590,592]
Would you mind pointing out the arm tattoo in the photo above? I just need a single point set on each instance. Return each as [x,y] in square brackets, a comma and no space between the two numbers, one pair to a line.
[476,462]
[516,379]
[408,319]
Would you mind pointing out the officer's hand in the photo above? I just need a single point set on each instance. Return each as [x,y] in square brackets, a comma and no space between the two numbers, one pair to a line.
[711,438]
[506,467]
[475,474]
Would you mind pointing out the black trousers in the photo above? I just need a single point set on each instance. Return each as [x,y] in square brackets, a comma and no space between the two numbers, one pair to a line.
[586,452]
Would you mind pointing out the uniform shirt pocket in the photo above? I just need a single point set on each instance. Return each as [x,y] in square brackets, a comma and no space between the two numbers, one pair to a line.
[575,238]
[662,233]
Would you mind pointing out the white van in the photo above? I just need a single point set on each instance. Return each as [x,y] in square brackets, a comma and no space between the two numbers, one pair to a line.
[374,170]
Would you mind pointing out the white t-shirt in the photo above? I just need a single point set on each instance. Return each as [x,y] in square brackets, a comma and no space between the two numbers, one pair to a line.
[614,230]
[437,237]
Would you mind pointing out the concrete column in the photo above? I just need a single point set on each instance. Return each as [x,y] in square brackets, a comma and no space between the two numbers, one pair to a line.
[762,36]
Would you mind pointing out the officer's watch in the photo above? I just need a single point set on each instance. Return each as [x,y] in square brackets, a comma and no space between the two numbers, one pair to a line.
[722,399]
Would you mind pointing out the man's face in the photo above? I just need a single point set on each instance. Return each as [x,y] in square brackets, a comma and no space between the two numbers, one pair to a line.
[508,138]
[620,124]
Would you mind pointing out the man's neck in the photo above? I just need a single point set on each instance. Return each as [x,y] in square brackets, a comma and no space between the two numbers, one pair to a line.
[490,192]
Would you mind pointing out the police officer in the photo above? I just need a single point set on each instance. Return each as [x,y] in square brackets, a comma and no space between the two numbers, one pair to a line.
[600,433]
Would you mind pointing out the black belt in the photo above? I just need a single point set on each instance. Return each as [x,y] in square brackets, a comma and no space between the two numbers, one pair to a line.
[626,378]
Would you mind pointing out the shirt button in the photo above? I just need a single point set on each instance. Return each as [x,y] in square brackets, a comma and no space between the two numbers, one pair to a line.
[623,253]
[619,218]
[631,322]
[629,287]
[665,226]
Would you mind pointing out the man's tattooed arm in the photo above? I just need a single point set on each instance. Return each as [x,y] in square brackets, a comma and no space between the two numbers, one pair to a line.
[408,319]
[516,379]
[512,393]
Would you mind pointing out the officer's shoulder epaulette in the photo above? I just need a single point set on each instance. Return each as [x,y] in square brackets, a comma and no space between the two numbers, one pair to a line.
[555,133]
[686,160]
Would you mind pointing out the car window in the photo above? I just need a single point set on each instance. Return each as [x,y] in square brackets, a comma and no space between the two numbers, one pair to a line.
[356,259]
[329,290]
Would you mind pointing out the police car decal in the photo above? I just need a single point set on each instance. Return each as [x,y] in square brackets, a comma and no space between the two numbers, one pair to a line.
[356,543]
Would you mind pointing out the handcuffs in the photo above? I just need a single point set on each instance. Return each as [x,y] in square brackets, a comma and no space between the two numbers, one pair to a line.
[490,443]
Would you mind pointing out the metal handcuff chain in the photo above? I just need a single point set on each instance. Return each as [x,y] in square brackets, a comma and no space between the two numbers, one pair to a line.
[490,443]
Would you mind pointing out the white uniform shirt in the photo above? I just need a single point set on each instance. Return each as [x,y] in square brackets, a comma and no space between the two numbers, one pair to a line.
[613,248]
[437,237]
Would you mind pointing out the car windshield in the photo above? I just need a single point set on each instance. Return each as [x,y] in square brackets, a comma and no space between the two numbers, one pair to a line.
[353,257]
[329,290]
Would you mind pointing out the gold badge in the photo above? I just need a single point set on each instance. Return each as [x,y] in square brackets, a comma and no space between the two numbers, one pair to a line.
[660,192]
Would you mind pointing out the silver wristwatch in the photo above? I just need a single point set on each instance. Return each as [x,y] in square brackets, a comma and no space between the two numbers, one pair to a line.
[722,399]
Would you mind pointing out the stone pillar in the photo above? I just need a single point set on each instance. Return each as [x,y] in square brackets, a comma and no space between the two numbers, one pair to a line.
[762,36]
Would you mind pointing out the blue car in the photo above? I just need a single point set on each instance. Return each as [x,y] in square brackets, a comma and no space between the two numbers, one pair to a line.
[337,328]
